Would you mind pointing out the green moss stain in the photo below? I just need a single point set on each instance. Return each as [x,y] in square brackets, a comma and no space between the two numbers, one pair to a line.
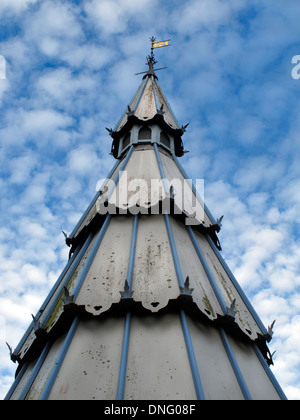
[208,306]
[59,307]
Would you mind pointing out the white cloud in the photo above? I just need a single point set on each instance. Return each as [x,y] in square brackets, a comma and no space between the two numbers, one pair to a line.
[196,15]
[259,172]
[22,167]
[38,121]
[113,16]
[54,20]
[61,88]
[83,161]
[4,86]
[16,6]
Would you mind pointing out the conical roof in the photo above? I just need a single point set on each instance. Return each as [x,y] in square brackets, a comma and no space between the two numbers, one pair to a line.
[146,306]
[148,102]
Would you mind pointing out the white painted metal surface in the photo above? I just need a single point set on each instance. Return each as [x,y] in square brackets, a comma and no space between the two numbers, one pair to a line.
[154,278]
[259,384]
[91,366]
[146,108]
[107,274]
[139,183]
[158,366]
[187,201]
[43,375]
[15,395]
[217,376]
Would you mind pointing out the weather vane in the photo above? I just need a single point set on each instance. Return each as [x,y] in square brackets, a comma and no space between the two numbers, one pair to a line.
[151,59]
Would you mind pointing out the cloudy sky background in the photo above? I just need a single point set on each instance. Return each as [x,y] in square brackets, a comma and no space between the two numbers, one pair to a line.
[70,69]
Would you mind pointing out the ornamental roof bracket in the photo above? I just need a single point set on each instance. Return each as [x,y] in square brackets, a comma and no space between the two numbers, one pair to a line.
[68,299]
[36,323]
[212,230]
[68,240]
[219,222]
[10,349]
[186,290]
[270,333]
[161,110]
[184,127]
[270,328]
[127,293]
[129,112]
[110,130]
[38,331]
[231,312]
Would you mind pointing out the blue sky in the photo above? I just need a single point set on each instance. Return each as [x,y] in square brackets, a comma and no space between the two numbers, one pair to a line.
[70,69]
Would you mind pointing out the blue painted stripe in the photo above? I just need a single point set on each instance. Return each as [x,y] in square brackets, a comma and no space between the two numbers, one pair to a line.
[210,277]
[16,381]
[35,372]
[91,257]
[59,361]
[126,336]
[124,358]
[185,329]
[186,177]
[174,251]
[102,231]
[192,357]
[235,366]
[132,250]
[161,169]
[237,286]
[269,373]
[168,224]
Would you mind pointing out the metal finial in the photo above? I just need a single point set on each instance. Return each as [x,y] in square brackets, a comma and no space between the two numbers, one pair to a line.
[231,312]
[9,348]
[270,328]
[151,59]
[127,293]
[186,290]
[67,299]
[36,324]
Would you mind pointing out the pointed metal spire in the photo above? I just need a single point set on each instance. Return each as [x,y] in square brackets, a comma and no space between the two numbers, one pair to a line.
[10,349]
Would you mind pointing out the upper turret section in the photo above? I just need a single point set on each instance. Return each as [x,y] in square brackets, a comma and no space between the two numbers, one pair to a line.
[148,118]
